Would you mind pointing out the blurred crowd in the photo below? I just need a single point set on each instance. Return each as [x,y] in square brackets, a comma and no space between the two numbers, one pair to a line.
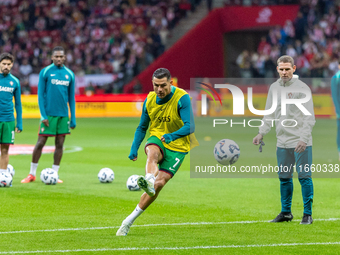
[259,2]
[121,37]
[312,39]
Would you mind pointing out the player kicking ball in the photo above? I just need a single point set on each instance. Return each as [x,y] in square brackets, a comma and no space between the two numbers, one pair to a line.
[168,111]
[55,91]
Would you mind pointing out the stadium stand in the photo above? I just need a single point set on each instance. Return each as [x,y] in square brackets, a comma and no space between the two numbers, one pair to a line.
[312,39]
[106,36]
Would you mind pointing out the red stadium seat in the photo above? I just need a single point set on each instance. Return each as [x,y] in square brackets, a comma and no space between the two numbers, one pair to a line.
[100,91]
[55,33]
[81,90]
[119,21]
[138,12]
[33,33]
[185,6]
[112,27]
[116,32]
[139,21]
[43,33]
[34,90]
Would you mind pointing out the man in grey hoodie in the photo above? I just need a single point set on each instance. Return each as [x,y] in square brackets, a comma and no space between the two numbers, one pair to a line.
[294,122]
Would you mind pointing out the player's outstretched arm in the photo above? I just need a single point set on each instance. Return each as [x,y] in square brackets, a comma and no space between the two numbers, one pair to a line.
[187,116]
[18,108]
[41,92]
[132,156]
[72,102]
[140,133]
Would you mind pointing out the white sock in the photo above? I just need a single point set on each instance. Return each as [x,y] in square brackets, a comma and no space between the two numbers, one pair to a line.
[33,170]
[131,218]
[3,170]
[55,168]
[150,177]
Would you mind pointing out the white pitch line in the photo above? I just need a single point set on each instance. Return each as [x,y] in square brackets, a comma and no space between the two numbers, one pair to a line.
[70,149]
[150,225]
[172,248]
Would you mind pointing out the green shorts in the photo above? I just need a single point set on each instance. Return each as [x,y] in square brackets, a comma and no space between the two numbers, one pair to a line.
[171,160]
[57,126]
[7,129]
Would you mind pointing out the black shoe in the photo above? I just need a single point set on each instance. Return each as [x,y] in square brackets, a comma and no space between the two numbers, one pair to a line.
[283,217]
[306,219]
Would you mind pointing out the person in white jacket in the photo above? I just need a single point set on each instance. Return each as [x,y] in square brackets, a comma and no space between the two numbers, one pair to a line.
[294,120]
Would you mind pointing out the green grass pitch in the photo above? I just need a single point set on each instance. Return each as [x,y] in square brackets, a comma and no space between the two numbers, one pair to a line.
[81,216]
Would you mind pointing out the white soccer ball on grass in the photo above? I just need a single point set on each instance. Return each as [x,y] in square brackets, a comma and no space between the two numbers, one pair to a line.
[49,176]
[5,179]
[131,183]
[106,175]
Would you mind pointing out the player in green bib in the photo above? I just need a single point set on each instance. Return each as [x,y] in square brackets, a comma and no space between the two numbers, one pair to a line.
[168,111]
[56,94]
[9,88]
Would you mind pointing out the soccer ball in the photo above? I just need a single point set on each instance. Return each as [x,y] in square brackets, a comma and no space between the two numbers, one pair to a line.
[10,169]
[131,183]
[226,152]
[5,179]
[106,175]
[49,176]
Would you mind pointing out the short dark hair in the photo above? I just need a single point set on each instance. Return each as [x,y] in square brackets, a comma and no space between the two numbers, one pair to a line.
[161,73]
[6,56]
[58,48]
[285,59]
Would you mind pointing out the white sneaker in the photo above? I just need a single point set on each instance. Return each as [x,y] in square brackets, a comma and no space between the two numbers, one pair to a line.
[146,185]
[124,228]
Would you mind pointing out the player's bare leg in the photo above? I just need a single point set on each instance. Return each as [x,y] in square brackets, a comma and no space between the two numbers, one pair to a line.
[58,153]
[161,179]
[154,156]
[35,159]
[38,149]
[4,159]
[145,201]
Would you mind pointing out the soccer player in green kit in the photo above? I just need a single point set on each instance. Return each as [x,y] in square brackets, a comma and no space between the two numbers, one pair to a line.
[55,90]
[9,88]
[167,114]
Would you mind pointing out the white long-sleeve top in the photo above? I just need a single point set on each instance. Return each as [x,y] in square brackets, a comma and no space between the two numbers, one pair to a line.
[288,137]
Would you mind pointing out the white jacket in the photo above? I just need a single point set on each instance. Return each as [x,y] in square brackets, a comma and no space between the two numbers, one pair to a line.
[288,136]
